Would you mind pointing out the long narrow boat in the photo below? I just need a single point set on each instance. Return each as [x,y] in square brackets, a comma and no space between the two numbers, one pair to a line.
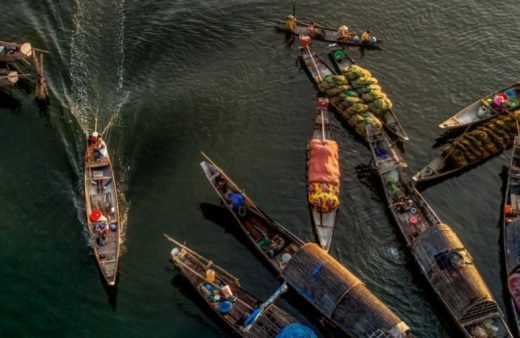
[243,312]
[102,208]
[323,176]
[341,60]
[10,51]
[329,35]
[511,233]
[441,256]
[485,109]
[472,148]
[319,70]
[341,298]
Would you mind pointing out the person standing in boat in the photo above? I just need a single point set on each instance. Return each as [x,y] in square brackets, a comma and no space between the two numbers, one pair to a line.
[343,33]
[290,24]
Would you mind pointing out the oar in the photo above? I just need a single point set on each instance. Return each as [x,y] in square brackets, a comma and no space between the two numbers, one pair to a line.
[314,63]
[256,313]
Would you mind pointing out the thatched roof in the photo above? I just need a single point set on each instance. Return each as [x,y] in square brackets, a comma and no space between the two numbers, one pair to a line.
[450,270]
[339,295]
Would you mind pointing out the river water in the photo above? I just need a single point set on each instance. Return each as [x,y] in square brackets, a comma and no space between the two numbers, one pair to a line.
[171,78]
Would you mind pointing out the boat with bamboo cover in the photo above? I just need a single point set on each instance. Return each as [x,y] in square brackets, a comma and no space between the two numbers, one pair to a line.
[323,176]
[102,208]
[242,312]
[472,147]
[500,102]
[372,95]
[441,256]
[329,35]
[11,51]
[511,233]
[342,299]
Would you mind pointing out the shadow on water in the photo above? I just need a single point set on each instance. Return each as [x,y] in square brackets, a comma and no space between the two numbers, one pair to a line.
[184,287]
[222,217]
[7,101]
[111,291]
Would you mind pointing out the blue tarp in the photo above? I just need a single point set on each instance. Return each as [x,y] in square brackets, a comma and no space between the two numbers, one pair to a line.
[297,330]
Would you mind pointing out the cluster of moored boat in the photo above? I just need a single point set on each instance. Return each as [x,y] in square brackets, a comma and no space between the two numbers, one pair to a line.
[490,126]
[22,61]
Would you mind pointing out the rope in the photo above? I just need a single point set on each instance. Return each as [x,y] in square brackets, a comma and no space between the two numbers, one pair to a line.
[314,63]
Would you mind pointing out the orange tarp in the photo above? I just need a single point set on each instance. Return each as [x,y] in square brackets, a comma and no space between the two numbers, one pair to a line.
[323,162]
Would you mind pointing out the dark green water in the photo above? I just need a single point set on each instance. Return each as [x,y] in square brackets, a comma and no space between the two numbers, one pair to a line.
[171,78]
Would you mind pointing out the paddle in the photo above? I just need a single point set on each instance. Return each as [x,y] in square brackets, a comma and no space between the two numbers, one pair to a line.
[256,313]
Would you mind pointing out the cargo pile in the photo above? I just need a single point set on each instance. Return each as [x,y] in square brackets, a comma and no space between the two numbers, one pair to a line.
[349,103]
[323,175]
[323,196]
[485,141]
[367,87]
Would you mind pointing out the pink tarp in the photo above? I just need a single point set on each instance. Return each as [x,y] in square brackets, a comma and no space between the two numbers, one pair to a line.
[323,162]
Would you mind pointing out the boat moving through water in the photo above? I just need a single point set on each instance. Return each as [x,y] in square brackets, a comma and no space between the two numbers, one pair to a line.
[334,292]
[503,101]
[244,313]
[101,204]
[441,256]
[511,233]
[370,94]
[323,176]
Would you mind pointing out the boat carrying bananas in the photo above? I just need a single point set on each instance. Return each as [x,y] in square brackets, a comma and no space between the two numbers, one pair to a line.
[473,147]
[351,102]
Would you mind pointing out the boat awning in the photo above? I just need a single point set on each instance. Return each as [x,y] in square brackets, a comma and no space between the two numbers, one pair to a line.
[323,162]
[451,271]
[338,294]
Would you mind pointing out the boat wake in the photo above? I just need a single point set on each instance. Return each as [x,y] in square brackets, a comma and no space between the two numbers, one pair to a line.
[98,92]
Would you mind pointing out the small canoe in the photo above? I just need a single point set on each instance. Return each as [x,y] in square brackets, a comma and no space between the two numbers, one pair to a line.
[340,60]
[309,270]
[8,77]
[482,110]
[237,307]
[511,233]
[329,35]
[102,208]
[14,52]
[439,253]
[318,70]
[325,150]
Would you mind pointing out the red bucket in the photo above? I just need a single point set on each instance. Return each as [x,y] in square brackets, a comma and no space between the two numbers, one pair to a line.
[95,215]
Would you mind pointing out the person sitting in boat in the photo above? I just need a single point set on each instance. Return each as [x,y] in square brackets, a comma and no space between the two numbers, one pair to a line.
[343,32]
[100,148]
[312,29]
[290,24]
[101,231]
[366,37]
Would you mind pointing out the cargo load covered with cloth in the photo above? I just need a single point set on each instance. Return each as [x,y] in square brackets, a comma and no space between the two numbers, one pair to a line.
[323,175]
[340,296]
[323,162]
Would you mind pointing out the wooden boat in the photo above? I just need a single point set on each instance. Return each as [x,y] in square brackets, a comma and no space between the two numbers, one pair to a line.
[10,51]
[318,70]
[441,256]
[342,299]
[340,60]
[324,221]
[8,77]
[232,303]
[101,204]
[329,35]
[511,233]
[480,111]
